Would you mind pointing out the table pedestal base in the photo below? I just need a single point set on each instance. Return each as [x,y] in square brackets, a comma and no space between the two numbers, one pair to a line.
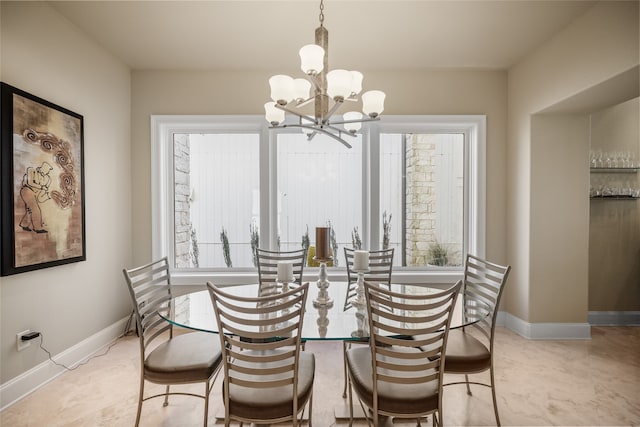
[220,416]
[341,413]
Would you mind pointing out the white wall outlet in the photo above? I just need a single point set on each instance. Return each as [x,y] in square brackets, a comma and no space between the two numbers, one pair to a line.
[21,345]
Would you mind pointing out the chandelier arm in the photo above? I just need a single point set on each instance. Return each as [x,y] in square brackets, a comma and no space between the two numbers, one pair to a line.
[363,120]
[302,103]
[295,113]
[335,129]
[336,137]
[331,111]
[313,78]
[321,130]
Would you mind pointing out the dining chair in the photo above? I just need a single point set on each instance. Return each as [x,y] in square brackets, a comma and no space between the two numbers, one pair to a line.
[166,358]
[380,268]
[268,267]
[267,378]
[395,376]
[471,349]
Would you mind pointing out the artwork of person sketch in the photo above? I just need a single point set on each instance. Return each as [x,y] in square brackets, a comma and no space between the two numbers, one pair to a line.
[43,220]
[34,191]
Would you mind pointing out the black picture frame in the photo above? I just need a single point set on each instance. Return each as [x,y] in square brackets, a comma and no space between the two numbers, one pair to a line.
[42,189]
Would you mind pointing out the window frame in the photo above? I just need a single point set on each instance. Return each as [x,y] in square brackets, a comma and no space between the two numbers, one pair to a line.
[163,127]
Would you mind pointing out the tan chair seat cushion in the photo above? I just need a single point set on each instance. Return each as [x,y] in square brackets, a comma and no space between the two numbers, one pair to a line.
[465,353]
[185,358]
[274,402]
[394,398]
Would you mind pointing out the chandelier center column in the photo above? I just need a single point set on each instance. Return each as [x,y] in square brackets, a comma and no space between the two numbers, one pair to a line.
[322,99]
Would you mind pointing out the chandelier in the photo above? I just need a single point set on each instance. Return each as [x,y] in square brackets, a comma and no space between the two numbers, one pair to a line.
[331,89]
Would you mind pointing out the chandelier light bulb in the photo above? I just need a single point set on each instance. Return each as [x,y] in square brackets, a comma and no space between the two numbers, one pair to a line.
[311,59]
[274,115]
[301,88]
[282,90]
[339,84]
[373,103]
[356,82]
[352,115]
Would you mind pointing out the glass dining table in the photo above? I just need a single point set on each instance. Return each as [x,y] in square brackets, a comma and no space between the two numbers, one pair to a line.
[321,322]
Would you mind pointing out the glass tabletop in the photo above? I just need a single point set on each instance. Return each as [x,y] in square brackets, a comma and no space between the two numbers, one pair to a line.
[195,311]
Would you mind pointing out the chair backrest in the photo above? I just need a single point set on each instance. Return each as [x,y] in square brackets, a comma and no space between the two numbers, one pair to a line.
[261,339]
[268,266]
[150,289]
[393,317]
[482,290]
[380,268]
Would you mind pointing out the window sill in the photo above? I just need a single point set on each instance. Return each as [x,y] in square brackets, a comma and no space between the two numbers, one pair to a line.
[444,275]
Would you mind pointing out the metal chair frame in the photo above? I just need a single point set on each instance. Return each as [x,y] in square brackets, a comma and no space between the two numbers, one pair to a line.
[268,267]
[261,343]
[380,269]
[150,289]
[483,286]
[404,362]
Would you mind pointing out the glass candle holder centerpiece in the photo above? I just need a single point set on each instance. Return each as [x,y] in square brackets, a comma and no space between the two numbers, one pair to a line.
[322,321]
[323,255]
[283,279]
[361,266]
[285,272]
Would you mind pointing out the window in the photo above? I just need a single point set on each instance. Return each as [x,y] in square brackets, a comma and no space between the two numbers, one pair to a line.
[422,186]
[319,183]
[216,198]
[223,185]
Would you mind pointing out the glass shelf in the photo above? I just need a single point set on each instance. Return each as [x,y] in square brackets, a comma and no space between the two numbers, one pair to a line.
[614,198]
[614,170]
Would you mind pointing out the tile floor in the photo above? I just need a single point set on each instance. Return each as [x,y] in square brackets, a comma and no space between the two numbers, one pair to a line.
[565,383]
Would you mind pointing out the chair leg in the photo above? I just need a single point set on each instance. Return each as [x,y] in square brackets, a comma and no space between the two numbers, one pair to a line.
[206,403]
[310,409]
[350,405]
[141,396]
[344,364]
[493,394]
[466,377]
[166,397]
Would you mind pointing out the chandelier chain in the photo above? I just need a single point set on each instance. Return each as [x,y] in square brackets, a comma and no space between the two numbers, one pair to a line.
[321,13]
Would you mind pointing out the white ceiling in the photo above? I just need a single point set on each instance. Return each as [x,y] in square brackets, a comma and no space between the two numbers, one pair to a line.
[365,35]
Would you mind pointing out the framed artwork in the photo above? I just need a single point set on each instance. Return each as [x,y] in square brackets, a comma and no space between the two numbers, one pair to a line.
[42,189]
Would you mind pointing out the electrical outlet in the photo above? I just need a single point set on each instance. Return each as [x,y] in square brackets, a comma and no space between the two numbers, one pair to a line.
[21,345]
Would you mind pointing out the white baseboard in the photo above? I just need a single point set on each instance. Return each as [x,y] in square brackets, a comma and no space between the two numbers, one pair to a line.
[544,331]
[29,381]
[614,318]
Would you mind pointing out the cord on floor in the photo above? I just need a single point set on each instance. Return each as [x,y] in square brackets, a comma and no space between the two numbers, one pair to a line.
[82,363]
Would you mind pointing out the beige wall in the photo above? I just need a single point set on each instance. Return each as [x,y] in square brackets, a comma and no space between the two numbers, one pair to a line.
[614,233]
[560,217]
[44,55]
[599,45]
[428,92]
